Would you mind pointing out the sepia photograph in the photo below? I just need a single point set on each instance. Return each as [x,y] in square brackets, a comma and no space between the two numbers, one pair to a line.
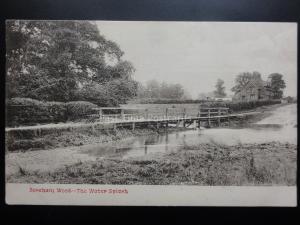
[144,103]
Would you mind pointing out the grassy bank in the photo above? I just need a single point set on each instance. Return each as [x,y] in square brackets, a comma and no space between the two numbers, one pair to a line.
[79,137]
[205,164]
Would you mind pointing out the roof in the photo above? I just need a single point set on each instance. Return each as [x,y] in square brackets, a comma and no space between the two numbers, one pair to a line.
[254,83]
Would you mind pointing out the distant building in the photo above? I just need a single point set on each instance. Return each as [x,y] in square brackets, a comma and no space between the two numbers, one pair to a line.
[255,89]
[288,99]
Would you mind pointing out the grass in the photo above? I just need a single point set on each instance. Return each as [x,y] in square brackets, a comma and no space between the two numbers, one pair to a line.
[205,164]
[72,138]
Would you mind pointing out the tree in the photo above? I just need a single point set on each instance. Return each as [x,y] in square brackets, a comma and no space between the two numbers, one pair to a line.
[277,84]
[243,79]
[220,89]
[164,90]
[152,89]
[54,60]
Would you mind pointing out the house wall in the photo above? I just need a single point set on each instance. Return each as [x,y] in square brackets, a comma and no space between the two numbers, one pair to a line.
[253,94]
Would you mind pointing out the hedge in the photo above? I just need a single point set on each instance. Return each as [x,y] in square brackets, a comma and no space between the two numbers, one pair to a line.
[26,111]
[79,109]
[240,106]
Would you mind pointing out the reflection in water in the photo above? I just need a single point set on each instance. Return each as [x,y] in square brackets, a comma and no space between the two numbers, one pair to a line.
[167,142]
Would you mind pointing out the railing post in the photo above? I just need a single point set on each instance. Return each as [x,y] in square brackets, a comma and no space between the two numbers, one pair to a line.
[227,112]
[167,124]
[199,111]
[184,115]
[122,114]
[219,119]
[100,114]
[208,117]
[199,120]
[146,114]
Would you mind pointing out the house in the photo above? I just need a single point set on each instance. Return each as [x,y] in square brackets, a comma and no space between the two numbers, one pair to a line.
[255,89]
[288,99]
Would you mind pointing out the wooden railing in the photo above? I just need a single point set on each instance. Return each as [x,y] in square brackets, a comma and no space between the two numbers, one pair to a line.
[166,113]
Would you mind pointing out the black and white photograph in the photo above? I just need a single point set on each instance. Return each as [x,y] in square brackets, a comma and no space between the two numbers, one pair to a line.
[150,104]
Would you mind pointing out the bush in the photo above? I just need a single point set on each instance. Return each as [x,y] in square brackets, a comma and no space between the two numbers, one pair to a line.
[26,111]
[79,109]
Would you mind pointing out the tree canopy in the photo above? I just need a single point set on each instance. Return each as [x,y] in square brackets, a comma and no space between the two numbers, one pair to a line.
[220,89]
[154,89]
[244,78]
[277,84]
[66,61]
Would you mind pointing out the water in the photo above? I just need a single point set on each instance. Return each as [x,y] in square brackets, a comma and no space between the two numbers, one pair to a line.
[280,126]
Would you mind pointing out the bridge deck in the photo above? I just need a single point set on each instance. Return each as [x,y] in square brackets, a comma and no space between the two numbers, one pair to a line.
[112,121]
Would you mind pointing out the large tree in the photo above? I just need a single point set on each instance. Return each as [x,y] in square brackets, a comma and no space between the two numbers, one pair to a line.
[277,85]
[220,89]
[57,60]
[243,79]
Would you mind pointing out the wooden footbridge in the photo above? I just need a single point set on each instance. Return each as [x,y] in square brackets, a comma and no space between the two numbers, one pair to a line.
[161,118]
[137,117]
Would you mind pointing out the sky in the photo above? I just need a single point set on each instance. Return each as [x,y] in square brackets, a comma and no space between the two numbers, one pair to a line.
[196,54]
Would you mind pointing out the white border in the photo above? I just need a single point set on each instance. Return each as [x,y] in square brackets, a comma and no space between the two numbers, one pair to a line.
[155,195]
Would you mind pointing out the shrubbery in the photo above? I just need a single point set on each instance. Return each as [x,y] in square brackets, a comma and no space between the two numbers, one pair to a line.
[240,106]
[26,111]
[79,109]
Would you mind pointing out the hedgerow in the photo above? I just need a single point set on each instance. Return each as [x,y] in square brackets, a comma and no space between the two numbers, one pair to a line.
[27,111]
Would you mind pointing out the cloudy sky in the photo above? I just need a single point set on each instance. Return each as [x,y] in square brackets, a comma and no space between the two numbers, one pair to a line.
[196,54]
